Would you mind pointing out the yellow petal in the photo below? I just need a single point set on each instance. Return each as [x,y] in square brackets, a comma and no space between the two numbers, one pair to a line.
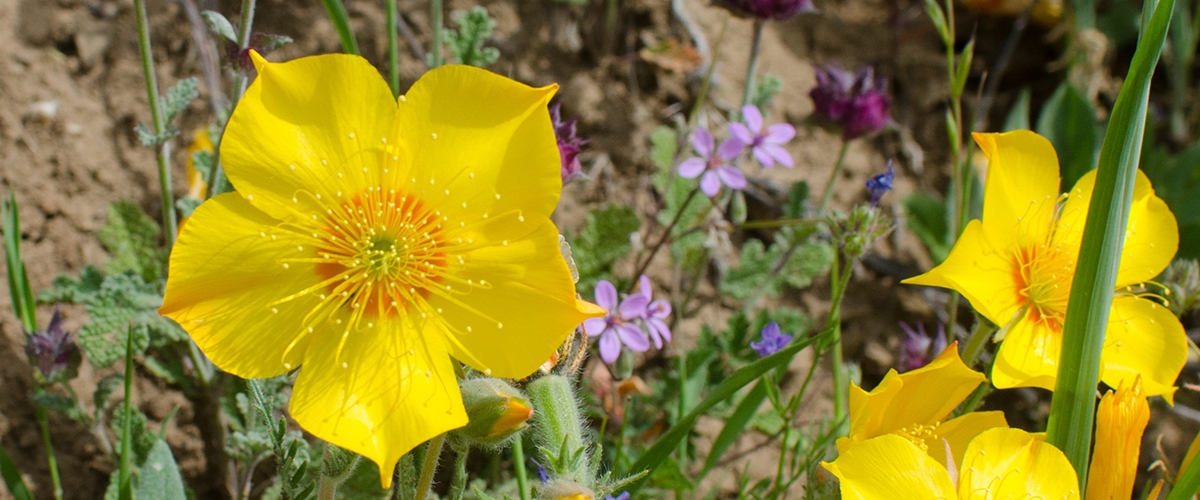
[1011,463]
[1120,421]
[313,125]
[226,283]
[1028,357]
[487,141]
[1146,339]
[923,396]
[1151,238]
[890,467]
[390,387]
[959,432]
[1021,189]
[983,274]
[527,297]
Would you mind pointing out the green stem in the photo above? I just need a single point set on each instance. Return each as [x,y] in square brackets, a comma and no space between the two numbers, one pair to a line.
[518,451]
[436,22]
[393,48]
[216,177]
[837,172]
[160,126]
[752,67]
[975,342]
[430,465]
[681,370]
[839,279]
[44,424]
[702,94]
[1189,482]
[327,486]
[341,22]
[125,491]
[459,483]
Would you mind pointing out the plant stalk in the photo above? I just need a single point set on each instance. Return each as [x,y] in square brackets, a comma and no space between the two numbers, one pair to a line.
[459,484]
[979,335]
[429,466]
[125,491]
[44,425]
[216,177]
[436,58]
[665,236]
[518,451]
[170,223]
[393,48]
[752,67]
[837,172]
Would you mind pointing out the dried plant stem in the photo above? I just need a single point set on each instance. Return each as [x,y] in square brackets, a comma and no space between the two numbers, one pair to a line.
[432,453]
[159,123]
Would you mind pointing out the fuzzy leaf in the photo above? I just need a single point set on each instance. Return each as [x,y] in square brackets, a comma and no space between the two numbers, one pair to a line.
[603,240]
[159,476]
[466,44]
[220,25]
[131,239]
[178,97]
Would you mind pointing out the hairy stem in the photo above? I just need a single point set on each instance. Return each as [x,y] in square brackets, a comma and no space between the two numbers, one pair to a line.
[430,464]
[159,123]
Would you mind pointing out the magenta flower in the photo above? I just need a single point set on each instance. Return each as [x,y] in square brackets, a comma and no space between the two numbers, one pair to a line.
[655,314]
[765,145]
[855,102]
[713,163]
[617,327]
[768,9]
[569,145]
[918,349]
[772,340]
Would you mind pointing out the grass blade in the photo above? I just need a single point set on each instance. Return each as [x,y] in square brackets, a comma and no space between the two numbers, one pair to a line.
[734,425]
[18,280]
[337,15]
[1072,409]
[12,478]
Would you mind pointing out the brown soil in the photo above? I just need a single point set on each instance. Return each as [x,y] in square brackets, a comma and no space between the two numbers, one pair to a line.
[67,167]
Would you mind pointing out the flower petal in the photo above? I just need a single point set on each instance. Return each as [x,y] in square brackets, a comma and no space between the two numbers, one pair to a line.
[703,143]
[390,387]
[1021,189]
[1151,238]
[731,177]
[890,467]
[753,118]
[978,271]
[710,184]
[779,154]
[481,144]
[517,307]
[762,156]
[227,286]
[691,168]
[959,432]
[1028,356]
[633,337]
[610,346]
[302,122]
[741,133]
[594,326]
[1012,463]
[1143,338]
[606,295]
[634,306]
[730,148]
[780,133]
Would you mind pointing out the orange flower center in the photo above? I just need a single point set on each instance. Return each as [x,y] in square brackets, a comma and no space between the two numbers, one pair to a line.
[380,253]
[1043,275]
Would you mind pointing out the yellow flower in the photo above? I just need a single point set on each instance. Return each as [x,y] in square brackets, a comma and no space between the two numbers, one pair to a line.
[999,463]
[1016,267]
[1120,421]
[915,405]
[370,240]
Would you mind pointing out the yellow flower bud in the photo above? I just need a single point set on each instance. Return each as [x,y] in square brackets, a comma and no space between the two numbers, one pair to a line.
[1120,422]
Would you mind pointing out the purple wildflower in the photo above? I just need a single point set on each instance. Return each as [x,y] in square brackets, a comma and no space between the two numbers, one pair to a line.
[568,144]
[856,102]
[918,349]
[543,476]
[623,496]
[772,340]
[765,145]
[53,352]
[768,9]
[880,184]
[714,163]
[655,314]
[617,327]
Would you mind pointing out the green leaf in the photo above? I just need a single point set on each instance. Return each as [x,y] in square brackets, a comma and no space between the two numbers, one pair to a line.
[466,44]
[104,391]
[764,270]
[742,415]
[926,218]
[70,290]
[131,239]
[220,25]
[1072,407]
[669,441]
[19,290]
[186,206]
[664,145]
[765,90]
[202,162]
[1068,120]
[603,240]
[793,208]
[158,476]
[938,17]
[12,478]
[1018,116]
[123,303]
[178,97]
[962,70]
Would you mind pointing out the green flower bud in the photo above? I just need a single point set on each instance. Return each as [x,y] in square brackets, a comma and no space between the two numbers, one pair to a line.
[495,409]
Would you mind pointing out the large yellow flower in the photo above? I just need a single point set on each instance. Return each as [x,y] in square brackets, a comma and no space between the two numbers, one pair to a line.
[1016,267]
[999,463]
[915,405]
[370,240]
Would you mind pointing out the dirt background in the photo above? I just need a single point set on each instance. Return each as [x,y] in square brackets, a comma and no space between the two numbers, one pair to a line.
[80,58]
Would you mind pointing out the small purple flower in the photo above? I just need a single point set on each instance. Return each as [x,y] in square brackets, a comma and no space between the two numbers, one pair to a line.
[617,327]
[543,476]
[53,352]
[768,9]
[880,184]
[772,340]
[918,349]
[623,496]
[568,144]
[714,163]
[766,146]
[856,102]
[655,315]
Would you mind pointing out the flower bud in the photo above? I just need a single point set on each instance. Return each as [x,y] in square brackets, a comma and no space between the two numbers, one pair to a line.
[768,9]
[562,489]
[53,353]
[495,409]
[569,145]
[855,102]
[1120,422]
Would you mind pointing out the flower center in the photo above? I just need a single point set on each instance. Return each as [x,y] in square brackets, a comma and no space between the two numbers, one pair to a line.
[920,434]
[1043,275]
[380,253]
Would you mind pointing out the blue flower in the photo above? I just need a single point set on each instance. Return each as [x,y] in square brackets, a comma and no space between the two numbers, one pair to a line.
[880,184]
[623,496]
[772,340]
